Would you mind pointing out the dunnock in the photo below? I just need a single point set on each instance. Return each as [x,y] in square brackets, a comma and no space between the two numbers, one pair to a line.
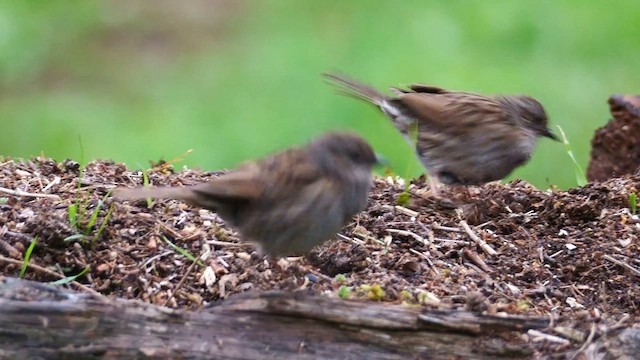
[460,138]
[289,202]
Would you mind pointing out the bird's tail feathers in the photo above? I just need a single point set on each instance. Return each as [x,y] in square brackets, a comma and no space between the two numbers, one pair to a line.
[350,87]
[178,193]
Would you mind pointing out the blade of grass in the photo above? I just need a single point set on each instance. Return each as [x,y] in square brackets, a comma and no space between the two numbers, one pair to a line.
[77,207]
[27,256]
[104,224]
[581,179]
[73,214]
[633,203]
[182,251]
[94,217]
[69,279]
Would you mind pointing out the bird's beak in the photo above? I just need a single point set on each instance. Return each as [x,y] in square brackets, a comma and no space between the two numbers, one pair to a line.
[381,160]
[549,134]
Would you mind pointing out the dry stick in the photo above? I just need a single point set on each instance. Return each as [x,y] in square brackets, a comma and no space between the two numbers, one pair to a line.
[483,245]
[55,274]
[320,275]
[404,210]
[189,269]
[445,228]
[622,263]
[351,239]
[409,233]
[12,251]
[548,337]
[228,243]
[423,256]
[475,258]
[588,342]
[24,193]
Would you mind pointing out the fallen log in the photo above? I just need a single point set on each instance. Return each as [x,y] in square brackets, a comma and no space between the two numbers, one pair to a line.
[40,321]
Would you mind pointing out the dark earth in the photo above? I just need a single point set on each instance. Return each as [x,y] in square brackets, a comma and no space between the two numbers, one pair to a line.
[571,255]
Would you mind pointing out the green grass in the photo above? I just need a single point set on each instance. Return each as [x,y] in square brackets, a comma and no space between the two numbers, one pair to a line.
[27,257]
[145,183]
[581,178]
[242,80]
[77,218]
[71,278]
[182,251]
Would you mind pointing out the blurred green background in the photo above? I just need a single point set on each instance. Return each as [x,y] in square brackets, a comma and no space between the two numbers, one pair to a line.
[235,80]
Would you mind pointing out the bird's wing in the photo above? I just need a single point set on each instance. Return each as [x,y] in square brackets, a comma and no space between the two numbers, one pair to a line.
[428,89]
[453,110]
[242,184]
[424,107]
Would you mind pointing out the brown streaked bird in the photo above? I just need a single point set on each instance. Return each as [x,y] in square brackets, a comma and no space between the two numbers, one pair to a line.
[288,202]
[460,138]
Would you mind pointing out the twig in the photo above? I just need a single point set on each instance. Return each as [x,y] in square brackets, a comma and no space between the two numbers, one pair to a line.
[175,290]
[475,258]
[56,181]
[423,256]
[24,193]
[404,210]
[55,274]
[463,242]
[409,233]
[548,337]
[622,263]
[483,244]
[227,243]
[12,251]
[446,228]
[154,258]
[320,275]
[588,342]
[619,323]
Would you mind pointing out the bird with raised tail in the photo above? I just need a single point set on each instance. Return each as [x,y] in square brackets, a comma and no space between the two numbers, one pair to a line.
[289,202]
[460,138]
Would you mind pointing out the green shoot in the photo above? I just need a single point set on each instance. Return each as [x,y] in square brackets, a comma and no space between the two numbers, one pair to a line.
[373,292]
[344,292]
[182,251]
[27,256]
[407,297]
[403,199]
[4,200]
[77,213]
[69,279]
[633,203]
[73,214]
[94,217]
[581,179]
[104,222]
[340,278]
[145,182]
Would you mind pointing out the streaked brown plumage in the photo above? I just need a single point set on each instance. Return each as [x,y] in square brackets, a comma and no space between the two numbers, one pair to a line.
[289,202]
[462,138]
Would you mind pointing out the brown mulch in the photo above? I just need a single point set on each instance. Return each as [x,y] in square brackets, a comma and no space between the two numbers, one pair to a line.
[572,254]
[615,147]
